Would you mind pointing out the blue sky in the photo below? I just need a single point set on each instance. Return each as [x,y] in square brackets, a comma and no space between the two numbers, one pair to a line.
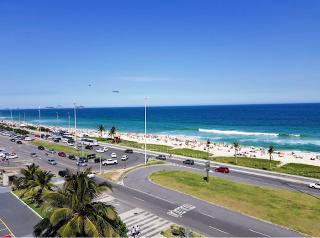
[175,52]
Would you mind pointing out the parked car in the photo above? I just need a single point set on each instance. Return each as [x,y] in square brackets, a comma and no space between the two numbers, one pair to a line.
[27,138]
[124,157]
[72,157]
[224,170]
[62,173]
[19,142]
[97,160]
[82,164]
[70,144]
[13,140]
[85,159]
[189,161]
[161,157]
[128,151]
[33,155]
[314,185]
[62,154]
[102,150]
[40,147]
[109,162]
[113,155]
[56,140]
[11,156]
[91,176]
[52,162]
[89,147]
[51,151]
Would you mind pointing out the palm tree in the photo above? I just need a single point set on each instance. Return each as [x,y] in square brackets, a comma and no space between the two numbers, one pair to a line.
[28,174]
[35,188]
[112,132]
[270,152]
[236,146]
[101,129]
[73,210]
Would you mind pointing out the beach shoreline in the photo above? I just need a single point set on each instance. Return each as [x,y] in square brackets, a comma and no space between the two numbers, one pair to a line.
[188,142]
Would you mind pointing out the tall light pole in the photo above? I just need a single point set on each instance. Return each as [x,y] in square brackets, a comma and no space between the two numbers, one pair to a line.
[39,121]
[75,123]
[57,116]
[24,117]
[11,117]
[69,120]
[145,130]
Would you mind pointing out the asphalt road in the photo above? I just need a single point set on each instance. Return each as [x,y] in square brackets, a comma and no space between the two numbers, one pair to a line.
[17,217]
[215,221]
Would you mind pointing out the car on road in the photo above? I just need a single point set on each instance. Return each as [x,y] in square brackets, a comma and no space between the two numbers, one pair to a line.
[222,169]
[11,156]
[189,161]
[113,155]
[62,173]
[91,176]
[52,162]
[13,140]
[161,157]
[124,157]
[51,151]
[62,154]
[85,159]
[315,185]
[27,138]
[128,151]
[82,163]
[2,154]
[72,157]
[89,147]
[19,142]
[109,162]
[56,140]
[97,160]
[102,150]
[70,144]
[33,155]
[40,147]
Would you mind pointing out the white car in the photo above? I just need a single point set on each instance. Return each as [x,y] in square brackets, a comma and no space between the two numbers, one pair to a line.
[70,144]
[124,157]
[314,185]
[2,154]
[91,176]
[11,156]
[109,161]
[113,155]
[100,150]
[28,138]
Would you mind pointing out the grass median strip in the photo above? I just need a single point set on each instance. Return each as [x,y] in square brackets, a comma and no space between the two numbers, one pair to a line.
[58,147]
[294,210]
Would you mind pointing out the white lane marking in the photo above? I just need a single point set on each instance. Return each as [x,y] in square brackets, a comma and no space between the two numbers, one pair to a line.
[259,233]
[211,227]
[208,215]
[139,199]
[179,211]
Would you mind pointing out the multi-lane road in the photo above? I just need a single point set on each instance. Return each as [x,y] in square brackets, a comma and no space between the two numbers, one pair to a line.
[203,217]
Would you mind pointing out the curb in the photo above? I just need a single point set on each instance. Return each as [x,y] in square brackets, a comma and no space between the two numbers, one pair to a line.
[26,205]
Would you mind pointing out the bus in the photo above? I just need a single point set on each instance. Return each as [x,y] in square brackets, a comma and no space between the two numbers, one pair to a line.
[86,141]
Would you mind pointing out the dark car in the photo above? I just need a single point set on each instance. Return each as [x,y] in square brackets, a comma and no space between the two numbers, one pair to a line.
[89,147]
[62,173]
[56,140]
[62,154]
[51,151]
[189,161]
[33,155]
[72,157]
[19,142]
[97,160]
[129,151]
[40,147]
[161,157]
[224,170]
[84,159]
[13,140]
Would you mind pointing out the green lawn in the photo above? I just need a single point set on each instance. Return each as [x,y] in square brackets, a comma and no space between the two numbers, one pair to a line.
[31,205]
[248,162]
[294,210]
[57,147]
[300,169]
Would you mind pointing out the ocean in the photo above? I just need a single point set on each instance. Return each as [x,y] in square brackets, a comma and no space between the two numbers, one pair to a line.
[285,126]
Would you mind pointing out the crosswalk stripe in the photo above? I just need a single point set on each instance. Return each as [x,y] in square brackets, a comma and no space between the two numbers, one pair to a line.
[157,226]
[158,230]
[135,216]
[137,221]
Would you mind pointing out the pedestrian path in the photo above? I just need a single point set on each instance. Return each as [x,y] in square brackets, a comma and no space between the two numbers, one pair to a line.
[150,224]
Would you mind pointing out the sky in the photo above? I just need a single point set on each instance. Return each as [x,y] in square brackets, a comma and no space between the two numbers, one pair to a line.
[172,52]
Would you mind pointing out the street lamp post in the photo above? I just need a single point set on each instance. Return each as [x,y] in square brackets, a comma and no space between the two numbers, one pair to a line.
[75,124]
[39,122]
[145,130]
[69,120]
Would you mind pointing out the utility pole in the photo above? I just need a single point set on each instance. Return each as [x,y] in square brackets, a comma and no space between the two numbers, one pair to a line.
[69,120]
[75,123]
[207,170]
[39,122]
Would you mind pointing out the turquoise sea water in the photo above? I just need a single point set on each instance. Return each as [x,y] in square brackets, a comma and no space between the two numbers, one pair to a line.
[286,126]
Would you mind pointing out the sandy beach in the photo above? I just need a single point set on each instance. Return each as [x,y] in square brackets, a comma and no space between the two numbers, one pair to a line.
[217,149]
